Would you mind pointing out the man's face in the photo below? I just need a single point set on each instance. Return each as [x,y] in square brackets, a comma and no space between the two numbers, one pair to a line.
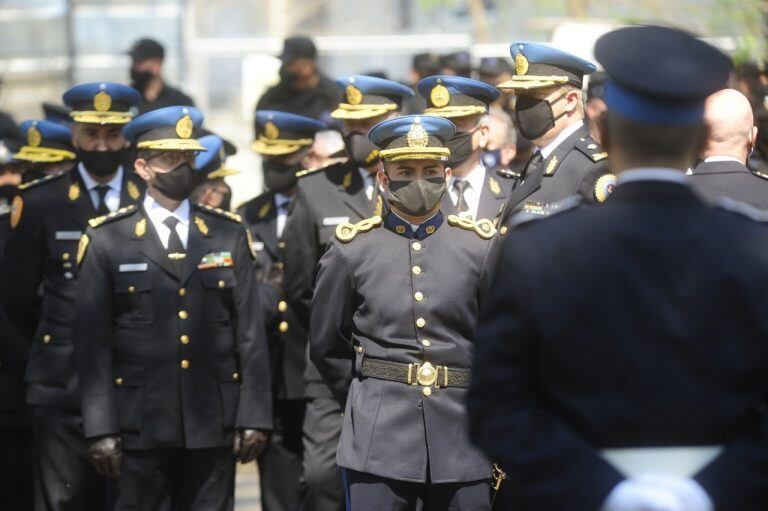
[213,193]
[162,162]
[363,125]
[301,73]
[413,170]
[97,137]
[472,124]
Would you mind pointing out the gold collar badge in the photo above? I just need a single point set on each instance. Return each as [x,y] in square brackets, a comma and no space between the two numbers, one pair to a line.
[201,226]
[133,190]
[74,192]
[140,229]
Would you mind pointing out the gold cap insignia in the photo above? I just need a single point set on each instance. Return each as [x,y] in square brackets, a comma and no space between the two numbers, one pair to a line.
[439,96]
[34,137]
[185,127]
[201,226]
[140,229]
[417,135]
[264,211]
[271,130]
[74,192]
[354,95]
[17,206]
[494,186]
[521,65]
[102,102]
[133,190]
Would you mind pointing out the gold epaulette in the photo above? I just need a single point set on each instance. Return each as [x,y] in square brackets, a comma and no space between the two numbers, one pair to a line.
[346,232]
[44,179]
[483,227]
[307,172]
[226,214]
[591,149]
[101,220]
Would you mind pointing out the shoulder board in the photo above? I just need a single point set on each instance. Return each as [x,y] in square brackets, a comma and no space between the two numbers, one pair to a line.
[220,212]
[743,209]
[105,219]
[529,214]
[508,173]
[309,172]
[346,232]
[37,182]
[591,149]
[482,227]
[761,175]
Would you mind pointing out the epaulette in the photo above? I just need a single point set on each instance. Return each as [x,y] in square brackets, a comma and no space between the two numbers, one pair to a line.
[218,211]
[104,219]
[591,149]
[482,227]
[307,172]
[347,231]
[508,173]
[741,208]
[37,182]
[537,212]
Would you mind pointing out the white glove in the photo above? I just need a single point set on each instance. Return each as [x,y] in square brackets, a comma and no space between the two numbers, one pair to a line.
[652,492]
[690,493]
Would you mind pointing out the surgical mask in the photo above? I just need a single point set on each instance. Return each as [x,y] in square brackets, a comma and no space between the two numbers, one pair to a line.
[362,151]
[278,176]
[418,197]
[535,116]
[101,163]
[461,147]
[141,79]
[492,158]
[177,184]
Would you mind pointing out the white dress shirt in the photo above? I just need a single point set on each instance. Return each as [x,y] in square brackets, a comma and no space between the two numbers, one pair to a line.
[112,198]
[709,159]
[282,202]
[567,132]
[476,180]
[651,174]
[157,214]
[369,181]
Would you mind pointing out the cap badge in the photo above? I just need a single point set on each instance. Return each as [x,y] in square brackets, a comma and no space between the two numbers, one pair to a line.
[184,127]
[521,65]
[34,137]
[102,102]
[354,95]
[271,131]
[439,96]
[417,135]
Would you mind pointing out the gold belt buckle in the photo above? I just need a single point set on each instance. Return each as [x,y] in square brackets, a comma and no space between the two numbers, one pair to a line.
[426,375]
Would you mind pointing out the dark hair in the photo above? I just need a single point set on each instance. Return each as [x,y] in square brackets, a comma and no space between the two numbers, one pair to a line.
[653,144]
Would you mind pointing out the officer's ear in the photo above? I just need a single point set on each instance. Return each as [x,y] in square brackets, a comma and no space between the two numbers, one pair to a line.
[572,99]
[381,175]
[448,174]
[484,134]
[752,140]
[141,166]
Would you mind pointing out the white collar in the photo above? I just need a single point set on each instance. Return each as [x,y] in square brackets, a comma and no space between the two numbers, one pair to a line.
[652,174]
[158,213]
[367,176]
[281,200]
[115,183]
[567,132]
[710,159]
[476,177]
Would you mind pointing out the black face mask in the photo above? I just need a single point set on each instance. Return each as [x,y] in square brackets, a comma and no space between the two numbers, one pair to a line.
[418,197]
[141,79]
[287,77]
[461,147]
[177,184]
[8,192]
[535,116]
[362,151]
[101,163]
[278,176]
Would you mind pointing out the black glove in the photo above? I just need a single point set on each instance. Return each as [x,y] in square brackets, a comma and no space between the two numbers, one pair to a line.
[249,443]
[106,455]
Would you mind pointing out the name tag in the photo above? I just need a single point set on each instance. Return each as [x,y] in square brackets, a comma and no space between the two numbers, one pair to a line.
[257,245]
[68,235]
[335,220]
[124,268]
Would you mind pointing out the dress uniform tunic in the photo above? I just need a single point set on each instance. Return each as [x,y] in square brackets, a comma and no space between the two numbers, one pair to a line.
[730,178]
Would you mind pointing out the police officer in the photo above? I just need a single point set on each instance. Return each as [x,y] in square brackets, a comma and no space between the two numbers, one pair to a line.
[326,198]
[171,349]
[284,142]
[722,171]
[211,163]
[147,58]
[623,347]
[48,218]
[392,332]
[474,191]
[47,150]
[549,112]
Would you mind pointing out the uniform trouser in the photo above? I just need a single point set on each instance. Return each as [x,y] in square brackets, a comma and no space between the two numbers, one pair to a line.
[280,464]
[321,432]
[64,479]
[16,468]
[177,480]
[367,492]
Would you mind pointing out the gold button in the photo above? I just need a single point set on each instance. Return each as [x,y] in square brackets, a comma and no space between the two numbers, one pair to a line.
[131,289]
[503,230]
[426,343]
[427,391]
[283,327]
[182,291]
[282,306]
[421,322]
[416,270]
[359,349]
[183,315]
[185,364]
[416,246]
[419,296]
[235,376]
[222,283]
[184,339]
[46,338]
[65,256]
[281,244]
[118,381]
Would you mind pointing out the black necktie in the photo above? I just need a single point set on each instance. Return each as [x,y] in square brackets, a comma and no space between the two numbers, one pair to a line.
[534,163]
[175,250]
[101,207]
[461,203]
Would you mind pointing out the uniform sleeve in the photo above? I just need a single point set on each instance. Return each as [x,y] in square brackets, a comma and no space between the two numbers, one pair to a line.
[547,462]
[300,257]
[587,186]
[93,337]
[330,327]
[254,409]
[22,269]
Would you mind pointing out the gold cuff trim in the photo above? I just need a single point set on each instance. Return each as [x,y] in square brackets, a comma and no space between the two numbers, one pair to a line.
[347,111]
[532,82]
[222,172]
[172,144]
[456,111]
[43,154]
[415,153]
[93,117]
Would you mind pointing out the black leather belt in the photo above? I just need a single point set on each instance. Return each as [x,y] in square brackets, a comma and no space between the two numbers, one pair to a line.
[424,374]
